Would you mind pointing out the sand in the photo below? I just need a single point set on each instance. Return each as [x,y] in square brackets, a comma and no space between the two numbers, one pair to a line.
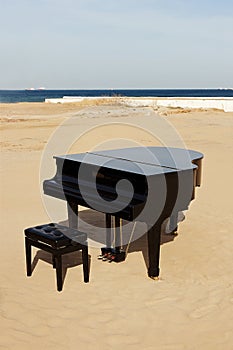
[190,307]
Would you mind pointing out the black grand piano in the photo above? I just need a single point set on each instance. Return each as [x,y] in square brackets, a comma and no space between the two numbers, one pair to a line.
[144,184]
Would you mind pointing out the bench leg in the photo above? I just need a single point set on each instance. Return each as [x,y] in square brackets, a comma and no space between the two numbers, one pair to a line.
[28,256]
[85,263]
[54,262]
[58,262]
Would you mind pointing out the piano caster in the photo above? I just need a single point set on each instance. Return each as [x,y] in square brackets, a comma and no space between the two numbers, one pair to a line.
[174,232]
[153,273]
[155,278]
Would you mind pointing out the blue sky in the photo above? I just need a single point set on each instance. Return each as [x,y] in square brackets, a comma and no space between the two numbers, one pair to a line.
[116,44]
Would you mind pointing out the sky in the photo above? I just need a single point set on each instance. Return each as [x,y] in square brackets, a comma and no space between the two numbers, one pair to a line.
[102,44]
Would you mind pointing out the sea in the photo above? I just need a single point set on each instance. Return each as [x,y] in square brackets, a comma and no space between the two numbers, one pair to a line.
[14,96]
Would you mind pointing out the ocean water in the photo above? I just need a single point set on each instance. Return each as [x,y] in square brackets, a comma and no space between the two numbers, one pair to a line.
[14,96]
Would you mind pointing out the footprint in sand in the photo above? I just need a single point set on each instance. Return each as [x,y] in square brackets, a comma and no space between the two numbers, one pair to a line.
[203,311]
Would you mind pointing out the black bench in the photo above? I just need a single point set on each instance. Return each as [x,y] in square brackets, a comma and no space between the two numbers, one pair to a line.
[57,240]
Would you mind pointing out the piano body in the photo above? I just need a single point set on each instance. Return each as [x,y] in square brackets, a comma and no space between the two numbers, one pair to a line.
[147,184]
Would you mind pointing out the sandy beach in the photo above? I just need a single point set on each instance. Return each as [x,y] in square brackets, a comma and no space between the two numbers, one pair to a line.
[190,307]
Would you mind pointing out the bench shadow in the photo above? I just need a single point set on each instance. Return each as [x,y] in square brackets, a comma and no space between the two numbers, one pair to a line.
[69,260]
[95,219]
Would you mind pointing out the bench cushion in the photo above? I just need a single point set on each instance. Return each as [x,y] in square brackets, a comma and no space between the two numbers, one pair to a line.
[55,235]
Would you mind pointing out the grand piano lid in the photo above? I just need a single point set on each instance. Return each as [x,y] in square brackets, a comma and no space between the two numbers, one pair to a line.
[139,160]
[169,157]
[99,161]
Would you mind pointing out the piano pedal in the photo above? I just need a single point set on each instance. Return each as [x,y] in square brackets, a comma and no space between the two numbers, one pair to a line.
[110,255]
[107,257]
[101,257]
[105,253]
[117,257]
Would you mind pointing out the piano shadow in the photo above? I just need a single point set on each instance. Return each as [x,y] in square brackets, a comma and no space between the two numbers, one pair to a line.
[141,244]
[68,260]
[96,219]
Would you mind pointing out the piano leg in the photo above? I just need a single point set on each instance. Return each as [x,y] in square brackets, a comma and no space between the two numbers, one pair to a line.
[117,235]
[153,238]
[173,222]
[72,209]
[108,225]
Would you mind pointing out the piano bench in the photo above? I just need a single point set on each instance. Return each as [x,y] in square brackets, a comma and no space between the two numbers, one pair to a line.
[57,240]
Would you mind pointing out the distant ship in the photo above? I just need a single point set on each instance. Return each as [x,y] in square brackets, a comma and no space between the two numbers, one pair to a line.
[33,89]
[221,88]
